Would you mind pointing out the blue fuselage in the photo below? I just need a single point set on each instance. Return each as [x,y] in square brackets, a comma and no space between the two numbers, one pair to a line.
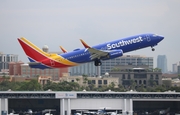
[125,44]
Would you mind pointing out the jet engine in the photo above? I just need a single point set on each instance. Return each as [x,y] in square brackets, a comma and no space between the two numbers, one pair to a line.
[115,54]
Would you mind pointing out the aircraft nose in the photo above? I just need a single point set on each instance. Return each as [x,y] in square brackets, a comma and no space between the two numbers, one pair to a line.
[161,37]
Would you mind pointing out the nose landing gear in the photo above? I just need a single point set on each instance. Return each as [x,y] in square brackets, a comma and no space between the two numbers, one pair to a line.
[152,49]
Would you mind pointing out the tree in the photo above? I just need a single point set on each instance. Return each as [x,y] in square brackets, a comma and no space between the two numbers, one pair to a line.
[77,79]
[75,86]
[160,88]
[141,88]
[103,88]
[51,86]
[32,85]
[111,86]
[133,84]
[152,82]
[85,80]
[157,70]
[5,85]
[121,87]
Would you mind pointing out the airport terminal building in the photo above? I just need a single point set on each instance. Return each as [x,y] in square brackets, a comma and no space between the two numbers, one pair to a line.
[69,103]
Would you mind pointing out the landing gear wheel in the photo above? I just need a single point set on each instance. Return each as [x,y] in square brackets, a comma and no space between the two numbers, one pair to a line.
[97,63]
[153,49]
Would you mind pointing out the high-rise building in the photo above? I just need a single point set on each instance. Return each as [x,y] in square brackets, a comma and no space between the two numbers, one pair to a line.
[162,63]
[174,68]
[178,69]
[5,59]
[107,65]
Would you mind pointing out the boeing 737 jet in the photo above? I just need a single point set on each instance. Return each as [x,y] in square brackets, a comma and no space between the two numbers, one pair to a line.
[105,51]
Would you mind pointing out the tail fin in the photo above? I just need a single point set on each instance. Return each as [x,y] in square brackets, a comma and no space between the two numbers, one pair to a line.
[33,52]
[40,59]
[65,51]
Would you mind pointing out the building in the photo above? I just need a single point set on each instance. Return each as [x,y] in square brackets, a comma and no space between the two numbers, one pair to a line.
[71,102]
[170,82]
[5,59]
[175,82]
[136,76]
[174,68]
[84,69]
[167,75]
[21,69]
[15,68]
[178,69]
[96,81]
[43,80]
[136,60]
[162,63]
[55,73]
[167,82]
[107,65]
[22,79]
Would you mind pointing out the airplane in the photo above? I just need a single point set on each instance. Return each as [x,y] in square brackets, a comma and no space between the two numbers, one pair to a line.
[109,50]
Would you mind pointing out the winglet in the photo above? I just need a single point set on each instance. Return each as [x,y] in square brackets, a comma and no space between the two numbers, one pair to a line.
[65,51]
[84,44]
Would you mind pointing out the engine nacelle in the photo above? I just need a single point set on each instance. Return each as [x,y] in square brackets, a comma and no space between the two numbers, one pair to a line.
[115,53]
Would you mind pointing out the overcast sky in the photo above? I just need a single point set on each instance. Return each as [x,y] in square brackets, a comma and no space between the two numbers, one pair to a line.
[64,22]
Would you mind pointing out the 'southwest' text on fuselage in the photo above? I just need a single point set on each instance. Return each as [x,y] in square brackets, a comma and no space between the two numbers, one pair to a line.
[124,42]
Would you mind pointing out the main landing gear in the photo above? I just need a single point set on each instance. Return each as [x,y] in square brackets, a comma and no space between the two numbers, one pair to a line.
[97,62]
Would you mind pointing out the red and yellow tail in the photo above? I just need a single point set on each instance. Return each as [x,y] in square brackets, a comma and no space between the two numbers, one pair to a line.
[38,56]
[32,51]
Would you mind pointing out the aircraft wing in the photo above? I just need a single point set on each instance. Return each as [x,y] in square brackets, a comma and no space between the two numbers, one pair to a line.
[97,53]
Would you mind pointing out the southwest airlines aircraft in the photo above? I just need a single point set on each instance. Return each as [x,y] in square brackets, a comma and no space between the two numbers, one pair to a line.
[105,51]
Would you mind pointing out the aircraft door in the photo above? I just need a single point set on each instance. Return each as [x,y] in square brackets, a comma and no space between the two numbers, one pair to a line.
[148,38]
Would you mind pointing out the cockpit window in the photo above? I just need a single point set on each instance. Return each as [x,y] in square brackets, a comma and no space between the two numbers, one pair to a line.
[155,35]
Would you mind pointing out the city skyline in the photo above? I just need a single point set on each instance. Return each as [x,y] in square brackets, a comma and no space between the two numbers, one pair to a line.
[155,64]
[56,23]
[108,65]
